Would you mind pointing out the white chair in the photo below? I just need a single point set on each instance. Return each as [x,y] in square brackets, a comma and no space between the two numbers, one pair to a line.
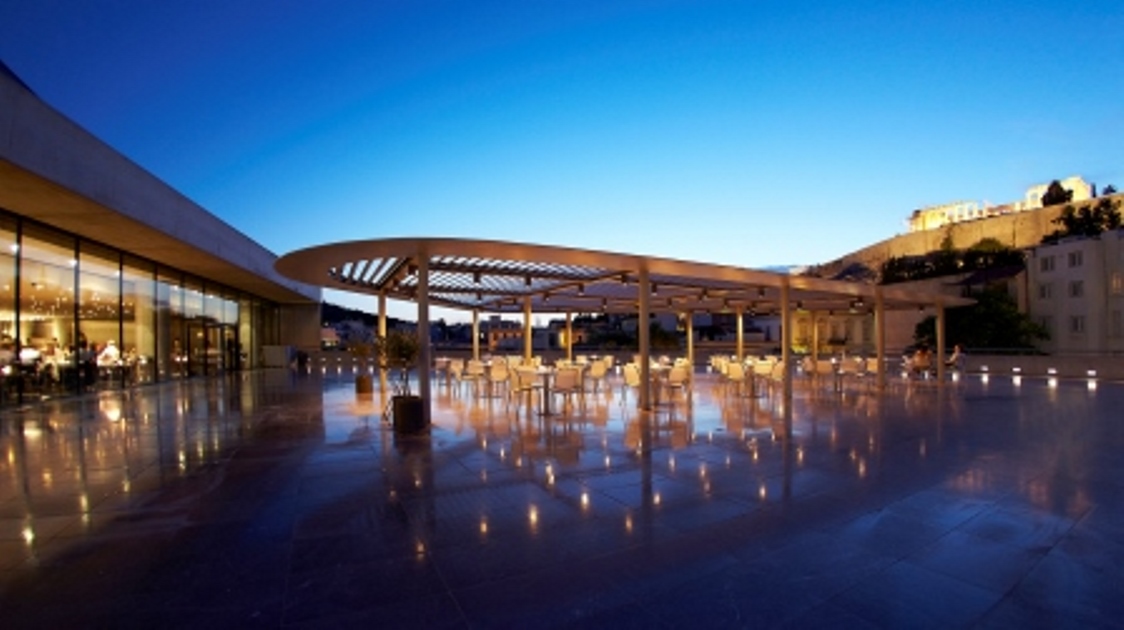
[474,373]
[498,378]
[597,372]
[567,383]
[631,381]
[735,375]
[677,380]
[456,373]
[524,380]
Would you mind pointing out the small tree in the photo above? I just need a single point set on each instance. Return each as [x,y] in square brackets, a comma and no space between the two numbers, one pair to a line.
[988,253]
[994,321]
[1056,195]
[1108,190]
[399,350]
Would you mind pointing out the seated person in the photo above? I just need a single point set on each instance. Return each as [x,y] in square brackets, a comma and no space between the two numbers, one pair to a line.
[110,355]
[29,354]
[955,359]
[921,361]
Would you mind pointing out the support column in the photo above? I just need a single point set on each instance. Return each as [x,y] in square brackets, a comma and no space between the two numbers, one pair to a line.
[643,330]
[786,348]
[691,340]
[382,324]
[527,332]
[940,344]
[739,347]
[815,337]
[424,359]
[880,336]
[569,336]
[475,334]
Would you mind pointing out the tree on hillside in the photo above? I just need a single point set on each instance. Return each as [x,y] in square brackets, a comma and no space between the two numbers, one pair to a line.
[994,321]
[1089,220]
[989,253]
[1056,195]
[1108,190]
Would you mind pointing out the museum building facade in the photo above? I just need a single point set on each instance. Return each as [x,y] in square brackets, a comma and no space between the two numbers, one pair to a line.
[110,278]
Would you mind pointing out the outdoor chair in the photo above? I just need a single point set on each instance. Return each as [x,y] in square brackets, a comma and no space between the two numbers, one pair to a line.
[596,373]
[567,384]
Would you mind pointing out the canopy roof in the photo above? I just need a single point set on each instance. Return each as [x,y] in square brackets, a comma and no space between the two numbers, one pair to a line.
[497,276]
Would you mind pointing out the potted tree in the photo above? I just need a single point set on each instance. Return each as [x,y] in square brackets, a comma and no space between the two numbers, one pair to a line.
[399,351]
[364,384]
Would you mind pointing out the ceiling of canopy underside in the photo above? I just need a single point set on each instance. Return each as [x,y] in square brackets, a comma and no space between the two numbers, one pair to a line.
[493,276]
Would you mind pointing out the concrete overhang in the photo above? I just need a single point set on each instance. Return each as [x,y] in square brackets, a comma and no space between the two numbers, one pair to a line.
[55,172]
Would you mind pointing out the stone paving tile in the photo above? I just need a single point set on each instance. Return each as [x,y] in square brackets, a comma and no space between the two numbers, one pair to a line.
[283,500]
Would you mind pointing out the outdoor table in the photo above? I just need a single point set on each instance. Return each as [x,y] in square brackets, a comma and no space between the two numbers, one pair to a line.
[545,374]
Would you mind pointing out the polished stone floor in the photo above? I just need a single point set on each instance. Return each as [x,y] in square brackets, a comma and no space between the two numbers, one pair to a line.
[274,499]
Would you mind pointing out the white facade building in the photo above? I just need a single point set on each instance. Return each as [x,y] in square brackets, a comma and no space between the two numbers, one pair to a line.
[1077,293]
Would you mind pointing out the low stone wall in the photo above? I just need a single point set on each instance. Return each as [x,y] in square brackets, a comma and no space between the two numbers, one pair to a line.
[1106,367]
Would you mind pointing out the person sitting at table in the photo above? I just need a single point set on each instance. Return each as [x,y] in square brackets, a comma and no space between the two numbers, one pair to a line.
[7,355]
[109,355]
[50,358]
[921,361]
[29,354]
[955,359]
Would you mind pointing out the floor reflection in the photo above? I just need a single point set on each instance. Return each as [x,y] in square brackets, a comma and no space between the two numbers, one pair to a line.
[303,472]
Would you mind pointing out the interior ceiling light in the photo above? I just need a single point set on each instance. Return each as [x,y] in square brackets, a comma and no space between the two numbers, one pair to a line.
[581,290]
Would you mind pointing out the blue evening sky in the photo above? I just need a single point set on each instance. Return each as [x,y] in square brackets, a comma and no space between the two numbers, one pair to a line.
[755,133]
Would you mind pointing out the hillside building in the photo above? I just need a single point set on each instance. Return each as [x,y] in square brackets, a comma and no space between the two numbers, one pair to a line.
[1077,293]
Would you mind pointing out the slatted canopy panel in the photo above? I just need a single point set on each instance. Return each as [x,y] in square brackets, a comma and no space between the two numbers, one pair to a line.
[499,277]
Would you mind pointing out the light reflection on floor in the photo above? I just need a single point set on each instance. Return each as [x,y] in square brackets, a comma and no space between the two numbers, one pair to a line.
[287,499]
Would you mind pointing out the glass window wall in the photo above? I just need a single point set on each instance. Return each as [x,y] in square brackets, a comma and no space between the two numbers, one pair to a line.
[138,318]
[171,354]
[196,330]
[99,318]
[9,246]
[45,339]
[78,316]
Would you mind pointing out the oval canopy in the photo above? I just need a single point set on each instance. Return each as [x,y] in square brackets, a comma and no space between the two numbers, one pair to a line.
[498,276]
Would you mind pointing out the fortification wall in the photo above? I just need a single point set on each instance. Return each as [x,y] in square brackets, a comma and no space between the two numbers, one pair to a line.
[1019,230]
